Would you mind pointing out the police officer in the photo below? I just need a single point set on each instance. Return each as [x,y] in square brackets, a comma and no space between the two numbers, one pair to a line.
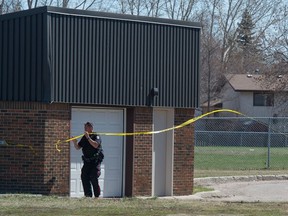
[91,148]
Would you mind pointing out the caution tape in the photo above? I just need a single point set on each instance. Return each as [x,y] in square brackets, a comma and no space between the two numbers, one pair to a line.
[190,121]
[20,146]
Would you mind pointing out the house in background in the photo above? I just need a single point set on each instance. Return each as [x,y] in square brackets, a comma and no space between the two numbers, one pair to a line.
[215,104]
[255,95]
[60,68]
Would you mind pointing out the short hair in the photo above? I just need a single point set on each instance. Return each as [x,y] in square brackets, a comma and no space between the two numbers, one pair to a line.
[89,124]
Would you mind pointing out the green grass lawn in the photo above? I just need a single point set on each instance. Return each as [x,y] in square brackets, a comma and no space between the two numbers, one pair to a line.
[240,158]
[22,205]
[214,161]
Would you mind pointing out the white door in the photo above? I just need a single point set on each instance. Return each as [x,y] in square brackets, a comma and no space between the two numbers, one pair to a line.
[162,153]
[104,120]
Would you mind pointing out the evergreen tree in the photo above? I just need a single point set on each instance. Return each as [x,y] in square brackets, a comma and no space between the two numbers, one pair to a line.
[247,45]
[245,36]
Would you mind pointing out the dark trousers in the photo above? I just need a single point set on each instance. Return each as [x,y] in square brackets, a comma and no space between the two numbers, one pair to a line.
[89,175]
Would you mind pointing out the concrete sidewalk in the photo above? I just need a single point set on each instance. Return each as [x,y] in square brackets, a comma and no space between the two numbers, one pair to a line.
[270,188]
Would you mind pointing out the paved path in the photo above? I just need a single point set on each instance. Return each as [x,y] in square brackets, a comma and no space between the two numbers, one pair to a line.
[243,189]
[259,191]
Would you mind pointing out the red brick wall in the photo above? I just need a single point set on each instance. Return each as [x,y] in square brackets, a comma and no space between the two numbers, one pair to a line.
[183,153]
[43,170]
[142,161]
[46,171]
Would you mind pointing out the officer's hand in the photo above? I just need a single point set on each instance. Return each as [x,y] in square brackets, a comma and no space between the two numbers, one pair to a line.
[76,144]
[86,134]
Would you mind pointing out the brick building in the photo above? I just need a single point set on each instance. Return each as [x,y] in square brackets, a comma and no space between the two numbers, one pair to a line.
[61,67]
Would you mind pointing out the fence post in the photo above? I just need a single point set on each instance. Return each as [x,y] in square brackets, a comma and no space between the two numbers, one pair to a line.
[269,143]
[286,143]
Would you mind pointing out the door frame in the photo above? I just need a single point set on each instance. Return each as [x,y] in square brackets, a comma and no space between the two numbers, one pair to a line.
[124,142]
[169,152]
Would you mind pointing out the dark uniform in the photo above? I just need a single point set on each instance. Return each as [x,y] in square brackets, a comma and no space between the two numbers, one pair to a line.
[91,169]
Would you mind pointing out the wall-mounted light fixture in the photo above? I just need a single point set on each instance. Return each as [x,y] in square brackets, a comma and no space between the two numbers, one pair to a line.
[154,92]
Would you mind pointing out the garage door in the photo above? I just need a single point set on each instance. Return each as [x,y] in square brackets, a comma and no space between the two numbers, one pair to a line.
[104,120]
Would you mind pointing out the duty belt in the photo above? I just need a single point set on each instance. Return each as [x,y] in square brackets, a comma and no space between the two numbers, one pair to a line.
[90,159]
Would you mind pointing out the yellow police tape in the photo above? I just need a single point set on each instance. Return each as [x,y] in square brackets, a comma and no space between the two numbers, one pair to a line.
[151,132]
[21,146]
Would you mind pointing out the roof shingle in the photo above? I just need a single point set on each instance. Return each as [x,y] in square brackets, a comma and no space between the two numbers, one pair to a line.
[256,82]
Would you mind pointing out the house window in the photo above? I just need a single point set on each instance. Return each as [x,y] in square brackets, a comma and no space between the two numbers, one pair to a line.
[263,99]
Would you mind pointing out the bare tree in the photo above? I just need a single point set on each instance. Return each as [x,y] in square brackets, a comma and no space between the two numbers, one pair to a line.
[88,4]
[180,9]
[219,34]
[228,17]
[277,72]
[210,48]
[8,6]
[1,6]
[133,7]
[229,13]
[32,4]
[277,44]
[49,2]
[219,20]
[154,8]
[65,3]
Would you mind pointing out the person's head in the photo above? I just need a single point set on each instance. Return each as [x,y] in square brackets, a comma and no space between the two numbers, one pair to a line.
[88,126]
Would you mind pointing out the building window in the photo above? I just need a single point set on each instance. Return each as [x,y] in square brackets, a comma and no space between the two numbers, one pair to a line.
[263,99]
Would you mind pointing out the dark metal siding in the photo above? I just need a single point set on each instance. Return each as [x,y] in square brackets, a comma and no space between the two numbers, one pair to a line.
[22,58]
[71,56]
[117,62]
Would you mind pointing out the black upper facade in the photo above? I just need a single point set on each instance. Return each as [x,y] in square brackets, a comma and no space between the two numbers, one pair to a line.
[51,54]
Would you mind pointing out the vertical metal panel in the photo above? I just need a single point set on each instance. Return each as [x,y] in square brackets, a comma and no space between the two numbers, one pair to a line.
[117,62]
[21,61]
[76,56]
[22,75]
[3,65]
[1,57]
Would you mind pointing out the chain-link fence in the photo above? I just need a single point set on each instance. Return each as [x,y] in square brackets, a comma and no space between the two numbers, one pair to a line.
[225,143]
